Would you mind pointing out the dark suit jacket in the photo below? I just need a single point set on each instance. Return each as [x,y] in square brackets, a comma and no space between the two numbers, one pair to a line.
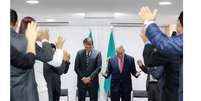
[23,84]
[92,70]
[153,57]
[20,60]
[52,77]
[121,81]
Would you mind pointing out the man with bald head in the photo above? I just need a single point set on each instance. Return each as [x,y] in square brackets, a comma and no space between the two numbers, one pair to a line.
[121,66]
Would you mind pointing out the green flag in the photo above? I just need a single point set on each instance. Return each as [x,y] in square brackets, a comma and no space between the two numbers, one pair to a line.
[90,35]
[110,53]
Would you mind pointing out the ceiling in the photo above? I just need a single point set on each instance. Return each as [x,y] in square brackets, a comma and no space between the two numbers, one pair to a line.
[72,10]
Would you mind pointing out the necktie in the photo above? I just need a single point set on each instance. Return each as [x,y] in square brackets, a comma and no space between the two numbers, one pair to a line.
[121,65]
[87,58]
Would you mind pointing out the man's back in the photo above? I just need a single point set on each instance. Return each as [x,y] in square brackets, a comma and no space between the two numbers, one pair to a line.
[153,57]
[23,85]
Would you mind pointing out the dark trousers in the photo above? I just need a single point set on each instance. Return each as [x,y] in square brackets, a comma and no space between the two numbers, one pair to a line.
[125,96]
[93,94]
[56,95]
[54,90]
[153,92]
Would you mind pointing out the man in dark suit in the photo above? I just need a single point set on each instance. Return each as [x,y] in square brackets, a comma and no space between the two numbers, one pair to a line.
[23,83]
[171,70]
[52,75]
[25,61]
[120,67]
[153,57]
[154,75]
[20,60]
[168,46]
[87,66]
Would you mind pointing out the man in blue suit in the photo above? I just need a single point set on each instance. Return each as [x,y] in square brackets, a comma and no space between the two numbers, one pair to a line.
[120,67]
[168,46]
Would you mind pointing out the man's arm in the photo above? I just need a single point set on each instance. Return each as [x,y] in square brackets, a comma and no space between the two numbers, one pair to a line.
[157,72]
[98,69]
[45,52]
[109,70]
[167,45]
[77,66]
[133,69]
[58,54]
[57,58]
[153,57]
[170,46]
[67,65]
[20,60]
[142,66]
[63,68]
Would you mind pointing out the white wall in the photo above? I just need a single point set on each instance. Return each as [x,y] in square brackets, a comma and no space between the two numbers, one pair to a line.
[74,35]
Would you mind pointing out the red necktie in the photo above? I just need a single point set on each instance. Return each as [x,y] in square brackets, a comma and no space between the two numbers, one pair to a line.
[121,65]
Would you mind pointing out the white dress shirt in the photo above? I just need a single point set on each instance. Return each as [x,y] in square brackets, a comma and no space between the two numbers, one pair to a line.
[57,58]
[38,70]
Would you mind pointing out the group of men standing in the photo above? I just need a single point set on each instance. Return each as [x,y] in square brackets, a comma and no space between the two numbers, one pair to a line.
[162,62]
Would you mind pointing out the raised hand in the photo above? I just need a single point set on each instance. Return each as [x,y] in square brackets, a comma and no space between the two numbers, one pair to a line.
[31,32]
[66,56]
[31,36]
[59,43]
[146,14]
[43,34]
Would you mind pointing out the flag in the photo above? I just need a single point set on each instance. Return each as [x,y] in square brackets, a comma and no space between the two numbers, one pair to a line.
[90,35]
[110,53]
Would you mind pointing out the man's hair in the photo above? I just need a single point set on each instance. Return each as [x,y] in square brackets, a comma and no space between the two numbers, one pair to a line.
[13,17]
[88,41]
[120,47]
[24,24]
[174,33]
[181,18]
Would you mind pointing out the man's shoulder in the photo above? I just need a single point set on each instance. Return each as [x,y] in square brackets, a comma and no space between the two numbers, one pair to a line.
[149,46]
[129,56]
[112,58]
[80,51]
[96,51]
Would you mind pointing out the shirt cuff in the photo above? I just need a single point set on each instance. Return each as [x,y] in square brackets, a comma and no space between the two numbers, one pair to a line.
[57,58]
[44,40]
[147,23]
[148,42]
[59,51]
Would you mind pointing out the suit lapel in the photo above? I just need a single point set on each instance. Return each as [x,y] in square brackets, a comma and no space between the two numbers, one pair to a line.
[117,64]
[84,58]
[91,55]
[125,60]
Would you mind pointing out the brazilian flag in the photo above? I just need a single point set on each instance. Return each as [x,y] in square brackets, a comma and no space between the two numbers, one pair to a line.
[110,53]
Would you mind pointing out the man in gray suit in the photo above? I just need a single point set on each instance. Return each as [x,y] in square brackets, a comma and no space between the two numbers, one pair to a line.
[23,84]
[87,66]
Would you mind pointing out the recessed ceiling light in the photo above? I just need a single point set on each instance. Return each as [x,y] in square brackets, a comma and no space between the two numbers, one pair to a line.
[50,20]
[165,3]
[32,1]
[80,14]
[118,14]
